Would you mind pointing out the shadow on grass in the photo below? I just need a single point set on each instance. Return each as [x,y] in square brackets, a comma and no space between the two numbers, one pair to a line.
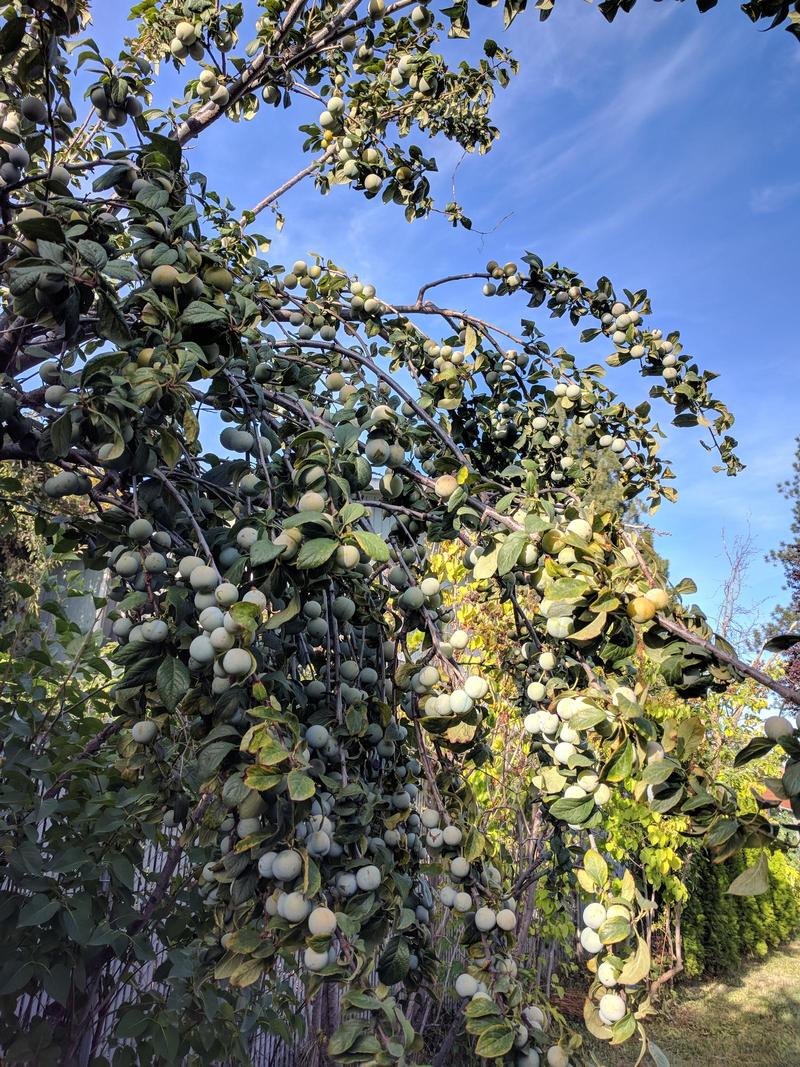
[752,1018]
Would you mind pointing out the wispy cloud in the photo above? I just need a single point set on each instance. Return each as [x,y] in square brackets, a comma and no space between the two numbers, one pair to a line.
[771,198]
[643,93]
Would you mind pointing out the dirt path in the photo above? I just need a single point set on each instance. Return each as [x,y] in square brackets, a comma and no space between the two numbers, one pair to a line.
[754,1019]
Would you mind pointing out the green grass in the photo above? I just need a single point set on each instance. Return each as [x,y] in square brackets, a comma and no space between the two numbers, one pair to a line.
[752,1019]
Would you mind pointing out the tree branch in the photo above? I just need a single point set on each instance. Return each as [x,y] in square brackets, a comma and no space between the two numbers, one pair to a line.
[315,164]
[789,694]
[96,743]
[249,79]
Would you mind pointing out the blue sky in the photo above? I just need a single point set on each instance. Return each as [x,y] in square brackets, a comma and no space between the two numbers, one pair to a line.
[663,151]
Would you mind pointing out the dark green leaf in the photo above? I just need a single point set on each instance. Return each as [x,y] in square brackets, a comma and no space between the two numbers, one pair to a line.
[93,253]
[61,434]
[791,778]
[11,34]
[755,748]
[264,551]
[781,642]
[198,313]
[573,810]
[346,1036]
[394,961]
[620,765]
[173,681]
[212,755]
[37,911]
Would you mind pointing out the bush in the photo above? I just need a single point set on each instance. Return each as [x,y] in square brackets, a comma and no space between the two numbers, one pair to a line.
[720,931]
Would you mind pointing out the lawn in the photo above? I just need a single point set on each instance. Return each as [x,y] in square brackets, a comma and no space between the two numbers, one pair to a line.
[753,1019]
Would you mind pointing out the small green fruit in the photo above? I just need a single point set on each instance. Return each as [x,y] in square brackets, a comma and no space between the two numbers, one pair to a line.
[144,732]
[164,278]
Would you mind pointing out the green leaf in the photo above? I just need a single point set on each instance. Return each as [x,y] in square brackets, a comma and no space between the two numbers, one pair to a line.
[685,585]
[274,622]
[111,322]
[486,565]
[170,448]
[587,717]
[659,771]
[121,270]
[535,524]
[11,34]
[358,998]
[270,752]
[111,177]
[300,785]
[552,779]
[755,748]
[495,1041]
[373,545]
[211,757]
[245,941]
[394,962]
[575,810]
[184,216]
[264,551]
[624,1029]
[567,589]
[791,778]
[509,551]
[93,253]
[172,681]
[346,1036]
[244,613]
[620,765]
[132,1023]
[614,930]
[351,513]
[198,313]
[48,228]
[234,791]
[57,983]
[259,778]
[480,1008]
[123,871]
[781,642]
[474,845]
[37,911]
[753,880]
[316,552]
[61,434]
[722,831]
[153,197]
[596,867]
[592,630]
[247,973]
[594,1024]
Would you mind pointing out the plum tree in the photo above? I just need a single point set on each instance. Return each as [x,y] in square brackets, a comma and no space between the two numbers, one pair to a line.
[289,683]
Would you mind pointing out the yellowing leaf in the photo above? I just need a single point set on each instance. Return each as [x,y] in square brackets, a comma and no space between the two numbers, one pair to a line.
[637,967]
[300,785]
[470,341]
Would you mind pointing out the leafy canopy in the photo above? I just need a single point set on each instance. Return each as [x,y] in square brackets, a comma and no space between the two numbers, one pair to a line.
[286,685]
